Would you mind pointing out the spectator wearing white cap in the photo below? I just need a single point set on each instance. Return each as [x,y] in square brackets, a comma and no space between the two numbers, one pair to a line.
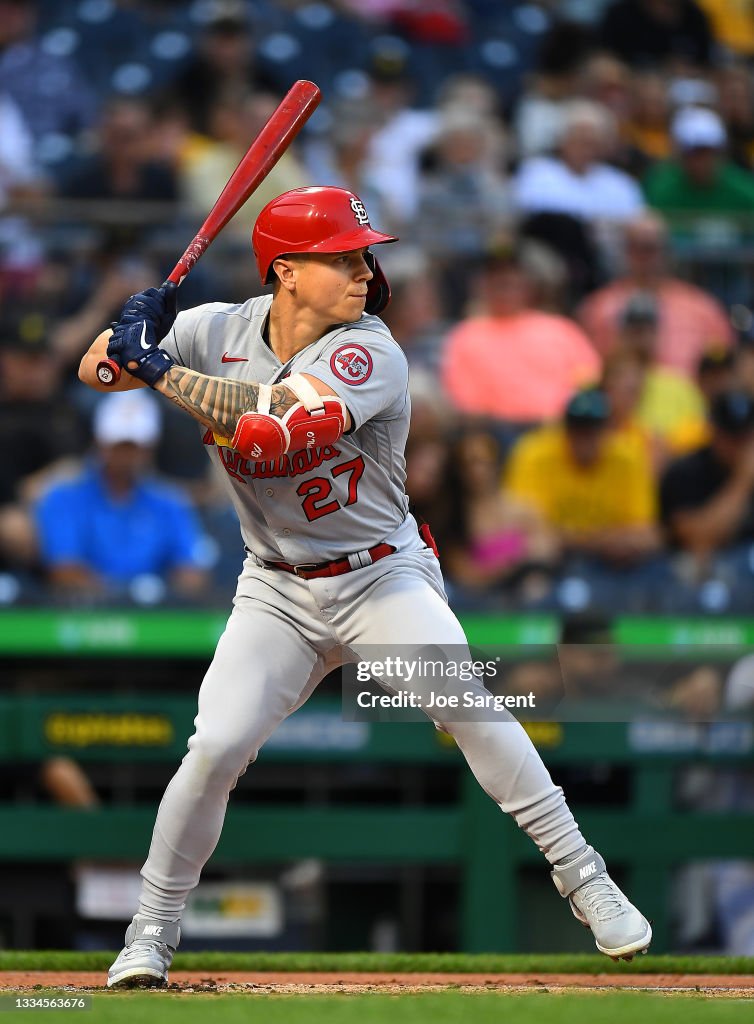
[113,529]
[699,178]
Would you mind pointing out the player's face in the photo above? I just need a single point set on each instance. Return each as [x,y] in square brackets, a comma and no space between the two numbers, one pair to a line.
[333,285]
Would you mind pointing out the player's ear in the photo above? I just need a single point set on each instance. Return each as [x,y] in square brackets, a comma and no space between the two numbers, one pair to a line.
[285,269]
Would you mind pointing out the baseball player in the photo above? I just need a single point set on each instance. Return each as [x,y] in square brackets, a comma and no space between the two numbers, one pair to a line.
[301,398]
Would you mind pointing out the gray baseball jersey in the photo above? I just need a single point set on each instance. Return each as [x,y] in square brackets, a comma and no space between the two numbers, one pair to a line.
[283,630]
[311,506]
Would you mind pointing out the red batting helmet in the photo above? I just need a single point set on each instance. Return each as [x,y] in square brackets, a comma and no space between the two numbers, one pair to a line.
[319,219]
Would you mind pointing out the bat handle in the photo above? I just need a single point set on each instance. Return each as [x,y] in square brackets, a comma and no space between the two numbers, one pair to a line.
[177,274]
[108,372]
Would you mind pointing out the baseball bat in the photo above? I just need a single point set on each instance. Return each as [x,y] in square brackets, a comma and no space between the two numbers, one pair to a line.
[273,140]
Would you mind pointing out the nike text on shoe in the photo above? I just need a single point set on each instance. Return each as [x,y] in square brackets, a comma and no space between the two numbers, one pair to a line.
[619,930]
[147,955]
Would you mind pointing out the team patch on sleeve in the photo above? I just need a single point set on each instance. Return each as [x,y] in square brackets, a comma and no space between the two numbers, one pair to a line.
[351,363]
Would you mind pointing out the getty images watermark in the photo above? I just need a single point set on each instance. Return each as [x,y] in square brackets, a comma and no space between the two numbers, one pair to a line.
[694,686]
[405,671]
[439,682]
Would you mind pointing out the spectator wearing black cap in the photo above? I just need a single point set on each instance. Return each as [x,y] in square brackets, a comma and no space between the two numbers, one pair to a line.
[592,487]
[707,496]
[37,425]
[667,397]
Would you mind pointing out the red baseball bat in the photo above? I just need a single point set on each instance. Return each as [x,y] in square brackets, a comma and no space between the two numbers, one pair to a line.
[281,129]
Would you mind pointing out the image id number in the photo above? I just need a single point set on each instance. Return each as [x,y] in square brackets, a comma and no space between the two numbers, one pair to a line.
[63,1002]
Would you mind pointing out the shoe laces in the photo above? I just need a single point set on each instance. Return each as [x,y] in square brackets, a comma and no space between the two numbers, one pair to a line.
[138,947]
[601,897]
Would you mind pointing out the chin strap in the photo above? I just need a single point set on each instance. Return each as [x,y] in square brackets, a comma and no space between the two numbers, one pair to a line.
[378,289]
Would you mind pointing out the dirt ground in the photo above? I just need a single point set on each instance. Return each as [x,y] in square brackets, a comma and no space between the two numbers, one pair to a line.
[267,983]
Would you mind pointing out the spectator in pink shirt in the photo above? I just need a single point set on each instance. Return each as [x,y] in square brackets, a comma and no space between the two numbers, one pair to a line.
[690,320]
[511,361]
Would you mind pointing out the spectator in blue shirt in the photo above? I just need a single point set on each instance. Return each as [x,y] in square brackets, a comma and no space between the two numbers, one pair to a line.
[113,529]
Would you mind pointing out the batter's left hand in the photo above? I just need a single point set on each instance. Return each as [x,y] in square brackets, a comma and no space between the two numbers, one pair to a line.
[134,346]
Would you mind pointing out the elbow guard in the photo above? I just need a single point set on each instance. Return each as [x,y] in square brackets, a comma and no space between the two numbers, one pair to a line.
[313,422]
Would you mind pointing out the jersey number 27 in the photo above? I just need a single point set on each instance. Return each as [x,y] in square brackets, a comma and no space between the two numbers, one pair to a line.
[316,492]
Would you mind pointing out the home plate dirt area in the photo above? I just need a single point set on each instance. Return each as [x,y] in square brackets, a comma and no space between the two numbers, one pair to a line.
[384,974]
[329,982]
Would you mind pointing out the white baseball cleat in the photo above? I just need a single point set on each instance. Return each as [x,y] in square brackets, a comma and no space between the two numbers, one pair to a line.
[147,955]
[619,930]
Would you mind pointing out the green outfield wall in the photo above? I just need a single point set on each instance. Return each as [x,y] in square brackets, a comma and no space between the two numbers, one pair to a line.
[647,838]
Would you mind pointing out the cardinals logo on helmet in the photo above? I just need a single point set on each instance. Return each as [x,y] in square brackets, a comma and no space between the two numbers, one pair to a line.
[352,364]
[360,212]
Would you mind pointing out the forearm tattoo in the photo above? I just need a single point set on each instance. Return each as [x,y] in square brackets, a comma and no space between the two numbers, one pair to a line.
[217,402]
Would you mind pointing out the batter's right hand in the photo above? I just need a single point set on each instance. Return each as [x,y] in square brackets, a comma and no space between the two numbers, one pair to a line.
[155,305]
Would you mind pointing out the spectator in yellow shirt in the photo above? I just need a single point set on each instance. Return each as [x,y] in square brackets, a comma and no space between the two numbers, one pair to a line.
[650,404]
[592,487]
[667,395]
[623,381]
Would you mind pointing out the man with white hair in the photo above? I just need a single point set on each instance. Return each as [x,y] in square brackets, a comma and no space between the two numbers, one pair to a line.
[576,180]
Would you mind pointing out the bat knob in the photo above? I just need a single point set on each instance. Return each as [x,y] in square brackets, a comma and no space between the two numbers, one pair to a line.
[108,372]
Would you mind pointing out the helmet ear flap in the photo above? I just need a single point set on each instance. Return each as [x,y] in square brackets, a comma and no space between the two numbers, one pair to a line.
[378,289]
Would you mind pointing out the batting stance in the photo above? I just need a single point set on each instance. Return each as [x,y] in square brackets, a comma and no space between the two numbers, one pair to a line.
[302,402]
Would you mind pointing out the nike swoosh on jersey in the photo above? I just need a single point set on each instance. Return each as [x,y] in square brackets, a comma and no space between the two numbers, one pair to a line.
[234,359]
[143,339]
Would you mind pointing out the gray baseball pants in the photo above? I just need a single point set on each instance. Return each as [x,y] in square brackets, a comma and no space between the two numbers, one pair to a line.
[277,646]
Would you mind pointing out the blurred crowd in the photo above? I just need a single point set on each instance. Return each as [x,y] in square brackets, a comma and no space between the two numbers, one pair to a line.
[573,186]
